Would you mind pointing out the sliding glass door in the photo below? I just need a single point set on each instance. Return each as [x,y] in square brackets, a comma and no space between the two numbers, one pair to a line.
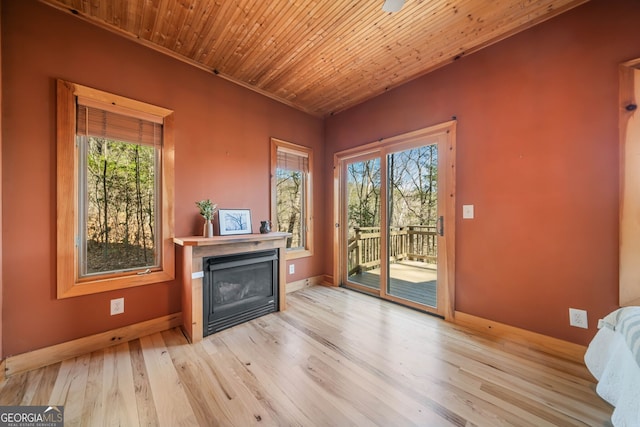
[393,217]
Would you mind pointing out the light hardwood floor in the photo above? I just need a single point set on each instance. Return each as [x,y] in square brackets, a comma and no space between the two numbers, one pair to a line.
[334,358]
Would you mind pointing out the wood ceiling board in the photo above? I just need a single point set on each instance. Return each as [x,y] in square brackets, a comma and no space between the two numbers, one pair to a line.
[318,56]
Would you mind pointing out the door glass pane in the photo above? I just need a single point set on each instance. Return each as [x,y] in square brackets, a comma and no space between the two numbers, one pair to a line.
[413,214]
[363,221]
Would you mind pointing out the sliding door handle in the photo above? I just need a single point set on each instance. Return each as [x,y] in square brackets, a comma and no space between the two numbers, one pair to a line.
[440,225]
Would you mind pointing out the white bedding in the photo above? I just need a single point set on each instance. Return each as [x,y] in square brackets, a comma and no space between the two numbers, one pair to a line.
[613,357]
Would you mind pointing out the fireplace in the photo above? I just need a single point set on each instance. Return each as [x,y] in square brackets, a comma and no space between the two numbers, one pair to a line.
[237,288]
[193,250]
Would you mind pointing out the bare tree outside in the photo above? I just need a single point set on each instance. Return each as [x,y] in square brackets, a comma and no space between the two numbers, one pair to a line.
[363,188]
[119,205]
[412,204]
[414,186]
[363,213]
[290,202]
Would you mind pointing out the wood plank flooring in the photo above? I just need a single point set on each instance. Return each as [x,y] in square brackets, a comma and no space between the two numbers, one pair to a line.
[334,358]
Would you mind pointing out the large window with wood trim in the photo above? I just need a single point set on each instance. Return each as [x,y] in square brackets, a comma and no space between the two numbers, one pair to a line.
[115,180]
[291,196]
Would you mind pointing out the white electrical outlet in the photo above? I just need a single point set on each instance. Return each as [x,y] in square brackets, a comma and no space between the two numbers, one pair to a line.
[117,306]
[578,318]
[467,212]
[292,268]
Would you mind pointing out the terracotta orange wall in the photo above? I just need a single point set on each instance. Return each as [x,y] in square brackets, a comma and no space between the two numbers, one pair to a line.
[1,282]
[537,154]
[222,152]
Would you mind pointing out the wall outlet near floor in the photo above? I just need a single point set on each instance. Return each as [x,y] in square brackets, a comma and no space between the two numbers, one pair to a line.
[117,306]
[578,318]
[292,268]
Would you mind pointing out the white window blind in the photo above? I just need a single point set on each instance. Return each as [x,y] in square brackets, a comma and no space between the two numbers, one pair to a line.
[292,161]
[94,120]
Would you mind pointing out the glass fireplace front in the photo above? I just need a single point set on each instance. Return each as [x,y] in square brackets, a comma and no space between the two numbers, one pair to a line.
[238,288]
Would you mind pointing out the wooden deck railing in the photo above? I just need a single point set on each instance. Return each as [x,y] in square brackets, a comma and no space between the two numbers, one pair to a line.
[411,242]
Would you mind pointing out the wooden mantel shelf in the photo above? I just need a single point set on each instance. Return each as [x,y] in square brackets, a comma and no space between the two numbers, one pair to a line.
[193,249]
[224,240]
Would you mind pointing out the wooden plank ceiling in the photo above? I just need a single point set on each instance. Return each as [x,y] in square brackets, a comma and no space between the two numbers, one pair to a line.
[320,56]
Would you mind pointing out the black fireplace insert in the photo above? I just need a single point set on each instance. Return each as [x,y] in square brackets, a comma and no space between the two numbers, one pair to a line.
[238,288]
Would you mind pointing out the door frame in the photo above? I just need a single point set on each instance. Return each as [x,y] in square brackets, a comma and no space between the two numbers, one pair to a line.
[629,232]
[445,133]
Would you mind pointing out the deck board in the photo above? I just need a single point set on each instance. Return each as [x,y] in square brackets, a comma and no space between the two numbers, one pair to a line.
[408,281]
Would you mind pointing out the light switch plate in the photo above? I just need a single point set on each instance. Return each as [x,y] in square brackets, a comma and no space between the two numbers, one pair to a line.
[467,211]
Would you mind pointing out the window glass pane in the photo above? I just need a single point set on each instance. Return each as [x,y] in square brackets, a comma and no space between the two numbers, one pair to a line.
[290,186]
[291,182]
[119,184]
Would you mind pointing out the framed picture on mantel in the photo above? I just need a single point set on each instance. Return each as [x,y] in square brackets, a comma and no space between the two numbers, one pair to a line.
[234,221]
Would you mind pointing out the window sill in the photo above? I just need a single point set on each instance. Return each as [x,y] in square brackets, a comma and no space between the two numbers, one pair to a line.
[114,283]
[298,253]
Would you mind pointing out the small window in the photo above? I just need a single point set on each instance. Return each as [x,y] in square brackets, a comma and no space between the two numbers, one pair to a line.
[291,195]
[115,179]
